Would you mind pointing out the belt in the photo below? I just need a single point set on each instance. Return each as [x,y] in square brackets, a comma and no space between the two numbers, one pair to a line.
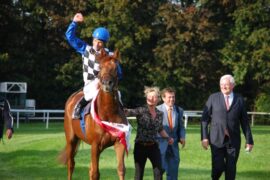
[146,143]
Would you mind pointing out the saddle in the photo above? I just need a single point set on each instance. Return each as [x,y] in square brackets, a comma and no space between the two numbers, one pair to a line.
[86,110]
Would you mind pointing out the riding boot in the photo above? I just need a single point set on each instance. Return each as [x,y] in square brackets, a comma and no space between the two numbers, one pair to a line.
[78,108]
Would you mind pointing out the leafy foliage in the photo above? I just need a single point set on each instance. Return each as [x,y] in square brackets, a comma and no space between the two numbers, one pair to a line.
[186,55]
[247,51]
[184,44]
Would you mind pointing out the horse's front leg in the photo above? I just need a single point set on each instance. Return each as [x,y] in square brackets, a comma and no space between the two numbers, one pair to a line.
[120,155]
[94,166]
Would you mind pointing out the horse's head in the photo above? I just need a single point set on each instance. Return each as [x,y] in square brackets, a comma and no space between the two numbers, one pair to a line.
[108,71]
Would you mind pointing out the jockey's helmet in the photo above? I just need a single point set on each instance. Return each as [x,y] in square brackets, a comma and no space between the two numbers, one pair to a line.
[102,34]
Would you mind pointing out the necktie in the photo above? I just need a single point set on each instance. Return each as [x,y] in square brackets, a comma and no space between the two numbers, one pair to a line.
[227,102]
[228,107]
[170,117]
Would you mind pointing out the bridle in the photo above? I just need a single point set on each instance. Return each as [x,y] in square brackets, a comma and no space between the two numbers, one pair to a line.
[109,79]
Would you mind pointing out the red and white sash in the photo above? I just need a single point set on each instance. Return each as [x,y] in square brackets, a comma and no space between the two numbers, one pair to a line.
[122,131]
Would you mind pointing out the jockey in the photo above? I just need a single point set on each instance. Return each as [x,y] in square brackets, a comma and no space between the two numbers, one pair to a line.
[5,118]
[90,65]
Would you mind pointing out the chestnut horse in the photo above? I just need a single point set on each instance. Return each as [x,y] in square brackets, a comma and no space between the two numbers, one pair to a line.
[108,109]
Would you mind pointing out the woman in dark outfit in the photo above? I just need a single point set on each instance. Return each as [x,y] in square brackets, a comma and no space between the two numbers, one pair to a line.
[149,123]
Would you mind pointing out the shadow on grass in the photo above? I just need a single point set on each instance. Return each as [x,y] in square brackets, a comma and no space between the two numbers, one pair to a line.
[256,174]
[202,174]
[194,173]
[30,164]
[38,164]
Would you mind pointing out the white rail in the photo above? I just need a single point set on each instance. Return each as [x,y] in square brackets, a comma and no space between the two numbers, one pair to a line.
[46,115]
[188,114]
[45,112]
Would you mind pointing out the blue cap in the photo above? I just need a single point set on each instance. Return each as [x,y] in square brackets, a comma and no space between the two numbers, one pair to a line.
[102,34]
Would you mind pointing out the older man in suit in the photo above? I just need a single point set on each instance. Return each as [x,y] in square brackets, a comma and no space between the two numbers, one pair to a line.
[173,125]
[226,112]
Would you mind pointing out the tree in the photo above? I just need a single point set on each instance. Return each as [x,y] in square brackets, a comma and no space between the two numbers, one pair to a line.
[187,53]
[32,47]
[185,44]
[247,51]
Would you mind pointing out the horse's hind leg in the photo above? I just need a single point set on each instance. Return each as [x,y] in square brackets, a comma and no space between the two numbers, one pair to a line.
[120,155]
[71,148]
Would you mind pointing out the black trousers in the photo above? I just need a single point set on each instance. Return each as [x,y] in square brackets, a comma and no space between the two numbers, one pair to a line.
[224,159]
[141,153]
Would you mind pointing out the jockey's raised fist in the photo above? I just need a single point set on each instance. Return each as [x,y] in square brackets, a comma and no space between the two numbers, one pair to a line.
[78,18]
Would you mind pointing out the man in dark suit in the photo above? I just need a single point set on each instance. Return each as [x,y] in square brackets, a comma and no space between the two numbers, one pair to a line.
[5,118]
[226,112]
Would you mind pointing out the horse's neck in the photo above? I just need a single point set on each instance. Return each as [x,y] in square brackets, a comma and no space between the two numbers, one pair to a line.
[108,103]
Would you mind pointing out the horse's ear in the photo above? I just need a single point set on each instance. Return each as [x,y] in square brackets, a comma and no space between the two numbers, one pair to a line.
[116,54]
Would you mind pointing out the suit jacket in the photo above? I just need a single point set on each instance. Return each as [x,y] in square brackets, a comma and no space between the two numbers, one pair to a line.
[176,133]
[215,112]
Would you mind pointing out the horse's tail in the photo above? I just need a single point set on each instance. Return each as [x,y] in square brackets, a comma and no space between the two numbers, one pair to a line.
[63,158]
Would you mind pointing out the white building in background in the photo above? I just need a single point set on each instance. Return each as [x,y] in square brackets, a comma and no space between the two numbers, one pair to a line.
[15,93]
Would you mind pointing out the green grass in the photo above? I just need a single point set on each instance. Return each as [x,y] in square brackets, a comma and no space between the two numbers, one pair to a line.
[32,152]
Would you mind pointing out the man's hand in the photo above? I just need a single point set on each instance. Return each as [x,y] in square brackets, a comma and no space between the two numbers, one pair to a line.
[205,144]
[170,141]
[183,142]
[78,18]
[9,133]
[249,147]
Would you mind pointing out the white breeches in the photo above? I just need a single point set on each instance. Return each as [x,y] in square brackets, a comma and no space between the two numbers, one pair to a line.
[90,89]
